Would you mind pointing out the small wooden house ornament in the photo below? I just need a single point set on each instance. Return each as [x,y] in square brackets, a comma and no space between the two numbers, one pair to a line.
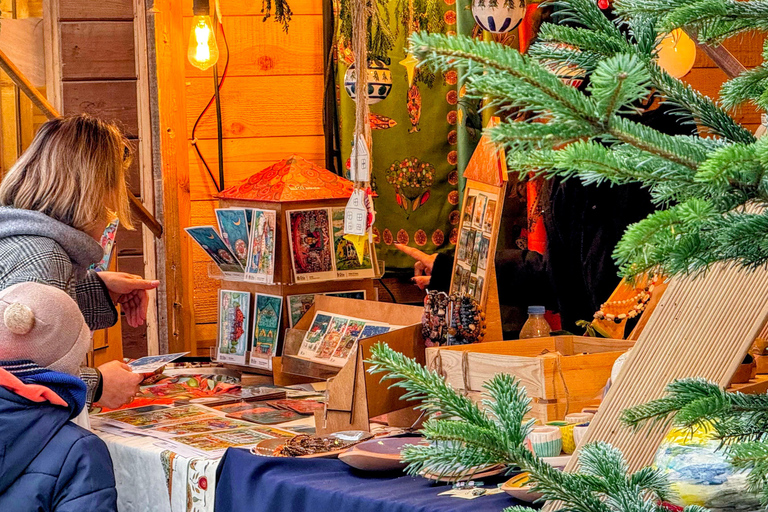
[293,184]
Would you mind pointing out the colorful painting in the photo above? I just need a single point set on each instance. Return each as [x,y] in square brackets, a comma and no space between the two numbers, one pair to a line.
[200,426]
[107,243]
[345,252]
[234,316]
[490,213]
[233,226]
[215,442]
[469,210]
[210,241]
[266,329]
[141,418]
[482,259]
[260,266]
[477,219]
[411,180]
[311,244]
[332,337]
[298,305]
[315,335]
[348,342]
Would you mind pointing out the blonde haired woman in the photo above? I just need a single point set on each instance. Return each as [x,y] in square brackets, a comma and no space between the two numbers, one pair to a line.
[54,205]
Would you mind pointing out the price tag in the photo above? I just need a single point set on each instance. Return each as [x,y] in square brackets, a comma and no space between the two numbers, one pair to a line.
[356,214]
[360,161]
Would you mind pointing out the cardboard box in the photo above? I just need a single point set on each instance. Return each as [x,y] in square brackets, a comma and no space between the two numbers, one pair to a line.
[560,373]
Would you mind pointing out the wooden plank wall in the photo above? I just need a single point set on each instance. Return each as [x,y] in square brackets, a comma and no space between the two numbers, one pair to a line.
[271,108]
[98,76]
[708,78]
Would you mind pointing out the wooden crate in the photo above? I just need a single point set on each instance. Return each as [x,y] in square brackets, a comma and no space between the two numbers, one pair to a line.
[562,374]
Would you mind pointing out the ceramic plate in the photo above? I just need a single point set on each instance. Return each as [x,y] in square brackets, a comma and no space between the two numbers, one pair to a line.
[518,488]
[470,474]
[558,462]
[378,454]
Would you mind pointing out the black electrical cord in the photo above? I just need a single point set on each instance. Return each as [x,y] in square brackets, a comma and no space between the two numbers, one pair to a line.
[210,102]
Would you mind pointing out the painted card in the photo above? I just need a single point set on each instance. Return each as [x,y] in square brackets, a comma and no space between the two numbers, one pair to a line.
[490,214]
[298,305]
[479,214]
[347,263]
[482,259]
[299,406]
[217,442]
[150,364]
[462,247]
[260,265]
[348,342]
[476,252]
[266,329]
[465,280]
[472,286]
[371,330]
[479,289]
[352,294]
[267,416]
[315,334]
[234,316]
[198,427]
[217,250]
[233,226]
[332,337]
[457,279]
[469,209]
[311,245]
[132,418]
[107,243]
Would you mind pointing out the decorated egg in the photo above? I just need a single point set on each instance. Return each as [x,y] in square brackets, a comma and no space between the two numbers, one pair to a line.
[379,81]
[503,17]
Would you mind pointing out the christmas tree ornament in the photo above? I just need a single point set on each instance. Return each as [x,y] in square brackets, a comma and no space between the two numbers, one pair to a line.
[498,16]
[409,63]
[379,81]
[676,53]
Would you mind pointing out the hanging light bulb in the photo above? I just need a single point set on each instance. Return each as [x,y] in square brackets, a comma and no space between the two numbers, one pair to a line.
[677,53]
[203,51]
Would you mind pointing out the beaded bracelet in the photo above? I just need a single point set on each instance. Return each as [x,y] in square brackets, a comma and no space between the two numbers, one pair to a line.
[434,321]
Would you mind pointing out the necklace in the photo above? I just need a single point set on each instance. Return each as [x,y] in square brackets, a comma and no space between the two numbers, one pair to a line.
[434,321]
[627,308]
[467,320]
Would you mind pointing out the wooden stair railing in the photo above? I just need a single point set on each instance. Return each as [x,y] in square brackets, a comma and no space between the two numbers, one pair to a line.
[25,86]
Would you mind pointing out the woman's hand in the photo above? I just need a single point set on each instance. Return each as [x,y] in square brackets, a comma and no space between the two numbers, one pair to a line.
[422,269]
[119,384]
[130,291]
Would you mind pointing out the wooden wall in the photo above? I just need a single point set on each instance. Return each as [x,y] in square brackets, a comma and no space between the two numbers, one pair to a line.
[708,78]
[98,75]
[271,108]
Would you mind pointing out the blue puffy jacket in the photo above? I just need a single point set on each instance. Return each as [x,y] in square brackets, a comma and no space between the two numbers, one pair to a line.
[48,463]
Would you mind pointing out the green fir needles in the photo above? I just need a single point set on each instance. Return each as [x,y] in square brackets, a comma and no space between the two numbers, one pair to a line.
[463,434]
[710,189]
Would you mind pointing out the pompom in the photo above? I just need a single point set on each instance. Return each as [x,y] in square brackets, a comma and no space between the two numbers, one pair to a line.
[18,318]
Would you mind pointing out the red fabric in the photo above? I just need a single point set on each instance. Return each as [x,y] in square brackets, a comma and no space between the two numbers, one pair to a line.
[33,392]
[537,234]
[525,30]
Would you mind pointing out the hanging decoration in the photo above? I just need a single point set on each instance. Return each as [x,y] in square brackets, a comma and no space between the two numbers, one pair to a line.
[283,12]
[498,16]
[379,81]
[676,53]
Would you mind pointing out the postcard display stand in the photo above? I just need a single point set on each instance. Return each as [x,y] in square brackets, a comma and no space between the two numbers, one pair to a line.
[354,395]
[484,192]
[292,184]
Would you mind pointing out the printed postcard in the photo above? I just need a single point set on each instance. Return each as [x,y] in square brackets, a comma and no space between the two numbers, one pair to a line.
[210,241]
[233,226]
[234,317]
[266,329]
[260,266]
[311,245]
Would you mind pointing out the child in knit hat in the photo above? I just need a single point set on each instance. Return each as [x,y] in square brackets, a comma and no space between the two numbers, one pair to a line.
[47,462]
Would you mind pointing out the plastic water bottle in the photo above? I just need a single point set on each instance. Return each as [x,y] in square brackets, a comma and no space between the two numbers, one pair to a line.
[536,326]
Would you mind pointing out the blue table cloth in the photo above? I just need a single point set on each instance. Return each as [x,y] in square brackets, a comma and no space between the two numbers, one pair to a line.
[247,482]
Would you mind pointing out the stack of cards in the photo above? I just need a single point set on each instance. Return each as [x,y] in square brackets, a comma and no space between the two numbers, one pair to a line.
[472,250]
[332,338]
[319,251]
[235,339]
[258,412]
[244,246]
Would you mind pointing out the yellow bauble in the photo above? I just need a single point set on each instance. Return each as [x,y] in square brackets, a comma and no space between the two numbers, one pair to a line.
[677,52]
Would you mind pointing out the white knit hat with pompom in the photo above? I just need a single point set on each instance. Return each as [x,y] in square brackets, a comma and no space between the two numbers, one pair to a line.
[42,324]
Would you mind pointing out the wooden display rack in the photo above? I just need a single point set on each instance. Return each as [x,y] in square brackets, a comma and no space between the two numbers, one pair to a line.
[354,395]
[292,184]
[486,174]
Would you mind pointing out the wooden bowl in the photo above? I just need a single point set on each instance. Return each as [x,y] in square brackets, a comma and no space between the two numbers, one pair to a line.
[518,488]
[379,454]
